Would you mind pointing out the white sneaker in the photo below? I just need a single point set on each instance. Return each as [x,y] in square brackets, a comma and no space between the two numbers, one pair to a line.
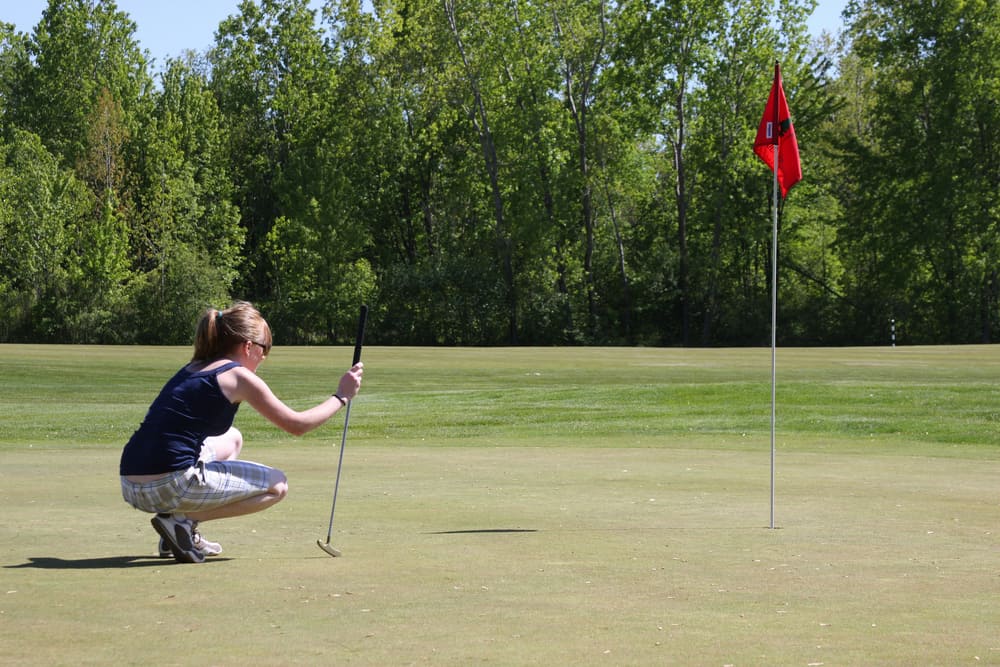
[206,547]
[176,533]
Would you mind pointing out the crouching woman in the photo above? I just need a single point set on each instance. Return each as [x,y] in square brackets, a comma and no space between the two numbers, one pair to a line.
[182,463]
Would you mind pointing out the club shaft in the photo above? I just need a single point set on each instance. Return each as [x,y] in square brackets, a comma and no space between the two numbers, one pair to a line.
[358,341]
[340,465]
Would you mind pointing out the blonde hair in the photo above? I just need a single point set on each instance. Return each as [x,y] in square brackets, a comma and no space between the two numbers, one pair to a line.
[220,330]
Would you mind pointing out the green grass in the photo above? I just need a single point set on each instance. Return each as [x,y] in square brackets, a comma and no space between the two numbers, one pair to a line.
[601,506]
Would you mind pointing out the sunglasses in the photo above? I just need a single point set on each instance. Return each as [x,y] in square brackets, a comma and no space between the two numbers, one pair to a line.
[265,348]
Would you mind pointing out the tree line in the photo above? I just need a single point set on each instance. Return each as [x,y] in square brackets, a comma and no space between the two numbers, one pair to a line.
[503,172]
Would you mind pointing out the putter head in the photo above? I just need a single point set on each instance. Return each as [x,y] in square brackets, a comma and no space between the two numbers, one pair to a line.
[327,548]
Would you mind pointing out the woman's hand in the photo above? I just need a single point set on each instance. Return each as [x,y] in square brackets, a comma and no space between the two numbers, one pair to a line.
[350,383]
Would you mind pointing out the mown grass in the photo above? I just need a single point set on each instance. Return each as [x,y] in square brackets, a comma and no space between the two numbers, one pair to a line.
[602,506]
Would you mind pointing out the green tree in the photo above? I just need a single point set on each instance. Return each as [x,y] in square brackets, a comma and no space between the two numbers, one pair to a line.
[476,72]
[42,209]
[542,195]
[277,87]
[581,37]
[420,161]
[80,90]
[675,45]
[928,212]
[78,49]
[14,64]
[188,241]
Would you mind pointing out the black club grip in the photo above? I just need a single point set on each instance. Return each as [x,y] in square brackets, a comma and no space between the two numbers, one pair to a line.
[360,339]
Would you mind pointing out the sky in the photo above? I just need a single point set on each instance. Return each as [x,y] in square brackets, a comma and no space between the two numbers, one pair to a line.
[167,29]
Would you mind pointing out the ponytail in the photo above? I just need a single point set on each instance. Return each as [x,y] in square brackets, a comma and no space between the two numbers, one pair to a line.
[206,339]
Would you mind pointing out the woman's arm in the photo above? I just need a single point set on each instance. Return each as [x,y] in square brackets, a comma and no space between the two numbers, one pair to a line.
[244,386]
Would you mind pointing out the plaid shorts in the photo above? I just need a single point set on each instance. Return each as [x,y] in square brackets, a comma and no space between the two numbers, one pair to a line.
[205,486]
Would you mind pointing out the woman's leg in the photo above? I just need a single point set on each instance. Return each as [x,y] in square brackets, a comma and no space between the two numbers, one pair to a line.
[276,491]
[225,447]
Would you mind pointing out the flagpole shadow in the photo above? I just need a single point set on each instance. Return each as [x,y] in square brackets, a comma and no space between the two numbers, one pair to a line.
[479,531]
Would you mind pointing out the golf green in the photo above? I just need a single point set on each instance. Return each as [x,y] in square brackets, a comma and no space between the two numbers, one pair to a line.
[603,506]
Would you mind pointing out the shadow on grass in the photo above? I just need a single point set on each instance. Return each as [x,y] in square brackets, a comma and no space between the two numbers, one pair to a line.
[483,530]
[107,563]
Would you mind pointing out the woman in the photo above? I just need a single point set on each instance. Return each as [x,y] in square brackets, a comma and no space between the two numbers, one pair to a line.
[181,464]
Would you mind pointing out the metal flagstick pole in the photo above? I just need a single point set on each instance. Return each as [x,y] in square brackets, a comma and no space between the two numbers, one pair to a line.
[774,313]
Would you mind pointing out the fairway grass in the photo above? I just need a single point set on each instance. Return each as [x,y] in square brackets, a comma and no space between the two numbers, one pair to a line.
[590,506]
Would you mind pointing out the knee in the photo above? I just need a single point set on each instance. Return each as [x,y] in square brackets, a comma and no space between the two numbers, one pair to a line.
[279,484]
[225,447]
[237,442]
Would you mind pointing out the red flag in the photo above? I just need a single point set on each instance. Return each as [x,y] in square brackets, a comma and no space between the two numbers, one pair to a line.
[776,130]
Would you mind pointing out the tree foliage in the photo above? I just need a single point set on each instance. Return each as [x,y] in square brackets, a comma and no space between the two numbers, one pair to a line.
[503,172]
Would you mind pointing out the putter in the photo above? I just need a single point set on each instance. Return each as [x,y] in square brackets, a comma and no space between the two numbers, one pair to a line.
[327,547]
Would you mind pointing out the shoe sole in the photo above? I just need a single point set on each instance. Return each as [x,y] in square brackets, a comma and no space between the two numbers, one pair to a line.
[205,552]
[182,555]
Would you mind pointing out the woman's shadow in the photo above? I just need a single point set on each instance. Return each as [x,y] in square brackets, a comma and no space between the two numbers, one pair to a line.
[108,562]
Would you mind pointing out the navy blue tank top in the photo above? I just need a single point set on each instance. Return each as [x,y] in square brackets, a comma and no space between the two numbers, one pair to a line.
[190,407]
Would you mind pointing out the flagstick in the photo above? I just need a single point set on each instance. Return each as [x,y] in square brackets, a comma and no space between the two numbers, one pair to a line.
[769,133]
[774,318]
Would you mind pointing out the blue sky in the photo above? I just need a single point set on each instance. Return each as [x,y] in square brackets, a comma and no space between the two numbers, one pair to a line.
[168,28]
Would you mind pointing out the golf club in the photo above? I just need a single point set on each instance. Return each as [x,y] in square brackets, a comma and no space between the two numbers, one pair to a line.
[343,439]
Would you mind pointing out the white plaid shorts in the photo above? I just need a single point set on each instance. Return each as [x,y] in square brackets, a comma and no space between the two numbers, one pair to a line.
[204,486]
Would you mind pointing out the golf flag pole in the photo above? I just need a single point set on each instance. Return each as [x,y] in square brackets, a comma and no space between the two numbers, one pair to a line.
[774,318]
[777,147]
